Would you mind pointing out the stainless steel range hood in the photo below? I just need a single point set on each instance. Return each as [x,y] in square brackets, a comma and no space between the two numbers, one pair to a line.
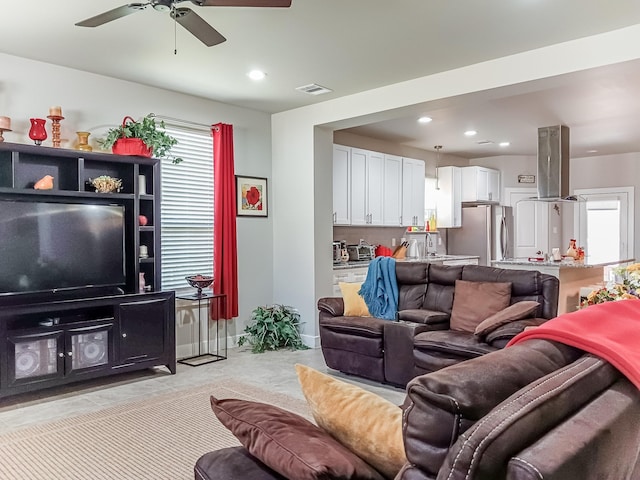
[553,163]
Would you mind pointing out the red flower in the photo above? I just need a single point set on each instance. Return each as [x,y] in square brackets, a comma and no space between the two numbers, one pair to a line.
[253,196]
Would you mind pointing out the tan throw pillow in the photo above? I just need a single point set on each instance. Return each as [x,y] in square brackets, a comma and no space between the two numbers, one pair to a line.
[513,312]
[288,443]
[365,423]
[475,301]
[354,305]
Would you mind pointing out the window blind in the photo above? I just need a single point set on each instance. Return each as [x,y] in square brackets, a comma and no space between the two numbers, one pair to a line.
[187,208]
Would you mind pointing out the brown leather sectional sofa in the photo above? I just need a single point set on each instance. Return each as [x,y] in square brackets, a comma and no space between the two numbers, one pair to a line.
[535,410]
[421,342]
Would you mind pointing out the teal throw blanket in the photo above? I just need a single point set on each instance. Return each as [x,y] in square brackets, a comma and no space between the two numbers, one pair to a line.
[380,289]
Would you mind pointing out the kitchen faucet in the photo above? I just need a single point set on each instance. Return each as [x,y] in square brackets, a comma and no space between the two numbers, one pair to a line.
[430,244]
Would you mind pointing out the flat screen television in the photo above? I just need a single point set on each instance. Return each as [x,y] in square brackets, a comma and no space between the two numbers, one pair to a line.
[46,247]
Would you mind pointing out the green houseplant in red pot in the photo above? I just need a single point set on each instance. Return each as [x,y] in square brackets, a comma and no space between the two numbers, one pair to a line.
[145,138]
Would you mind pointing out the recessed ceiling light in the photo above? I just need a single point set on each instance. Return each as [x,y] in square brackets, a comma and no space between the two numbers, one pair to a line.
[425,119]
[504,144]
[470,133]
[256,75]
[592,151]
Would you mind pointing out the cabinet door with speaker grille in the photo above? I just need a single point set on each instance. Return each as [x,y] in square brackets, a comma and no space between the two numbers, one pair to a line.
[35,357]
[89,348]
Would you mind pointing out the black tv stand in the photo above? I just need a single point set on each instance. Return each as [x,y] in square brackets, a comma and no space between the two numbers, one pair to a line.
[63,341]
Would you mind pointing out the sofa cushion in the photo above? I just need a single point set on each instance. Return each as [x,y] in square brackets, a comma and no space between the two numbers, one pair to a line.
[451,343]
[232,462]
[354,305]
[475,301]
[423,316]
[364,422]
[288,443]
[515,311]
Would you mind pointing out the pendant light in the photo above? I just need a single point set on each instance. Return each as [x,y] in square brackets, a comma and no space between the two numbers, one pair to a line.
[437,148]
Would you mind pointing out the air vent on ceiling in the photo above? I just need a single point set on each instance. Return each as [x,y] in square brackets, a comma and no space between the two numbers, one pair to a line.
[484,142]
[314,89]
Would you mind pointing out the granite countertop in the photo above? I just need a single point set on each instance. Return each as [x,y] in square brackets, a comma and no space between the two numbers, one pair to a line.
[432,258]
[560,264]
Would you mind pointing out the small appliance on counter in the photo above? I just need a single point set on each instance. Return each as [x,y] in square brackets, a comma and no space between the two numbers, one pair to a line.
[361,252]
[340,253]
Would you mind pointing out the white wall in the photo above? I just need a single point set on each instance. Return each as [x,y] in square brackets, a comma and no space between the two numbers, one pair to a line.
[93,103]
[295,161]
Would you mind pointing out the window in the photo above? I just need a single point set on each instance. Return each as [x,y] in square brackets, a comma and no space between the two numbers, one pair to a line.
[187,208]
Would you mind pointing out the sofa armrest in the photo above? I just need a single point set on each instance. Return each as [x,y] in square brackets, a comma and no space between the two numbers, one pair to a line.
[501,335]
[424,316]
[332,305]
[452,399]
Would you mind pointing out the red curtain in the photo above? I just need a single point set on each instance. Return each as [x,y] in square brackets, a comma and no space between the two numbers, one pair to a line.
[225,251]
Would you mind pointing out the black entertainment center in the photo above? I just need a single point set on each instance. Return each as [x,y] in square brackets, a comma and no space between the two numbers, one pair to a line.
[72,305]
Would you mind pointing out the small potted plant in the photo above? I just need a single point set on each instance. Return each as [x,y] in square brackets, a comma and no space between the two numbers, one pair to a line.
[144,138]
[274,327]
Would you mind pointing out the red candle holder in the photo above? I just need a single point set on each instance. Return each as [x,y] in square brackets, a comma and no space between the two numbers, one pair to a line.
[37,133]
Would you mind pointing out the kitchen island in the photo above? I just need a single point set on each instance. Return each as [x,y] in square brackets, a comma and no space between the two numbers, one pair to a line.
[572,276]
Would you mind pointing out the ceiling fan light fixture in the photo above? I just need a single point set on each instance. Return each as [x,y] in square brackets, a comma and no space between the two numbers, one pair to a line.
[162,5]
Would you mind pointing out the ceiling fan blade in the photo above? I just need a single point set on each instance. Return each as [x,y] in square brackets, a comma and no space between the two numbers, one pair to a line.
[245,3]
[196,25]
[111,15]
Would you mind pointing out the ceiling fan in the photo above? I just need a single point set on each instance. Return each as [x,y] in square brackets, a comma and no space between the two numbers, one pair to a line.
[186,17]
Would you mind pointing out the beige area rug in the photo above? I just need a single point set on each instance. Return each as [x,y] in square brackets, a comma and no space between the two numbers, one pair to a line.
[159,438]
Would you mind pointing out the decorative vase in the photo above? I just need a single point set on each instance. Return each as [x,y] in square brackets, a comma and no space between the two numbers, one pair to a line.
[141,283]
[37,133]
[83,141]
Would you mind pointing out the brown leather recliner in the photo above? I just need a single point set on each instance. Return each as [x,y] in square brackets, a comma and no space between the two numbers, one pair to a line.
[421,341]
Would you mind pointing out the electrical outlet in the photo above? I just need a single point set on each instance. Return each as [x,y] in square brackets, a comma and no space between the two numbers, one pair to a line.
[393,242]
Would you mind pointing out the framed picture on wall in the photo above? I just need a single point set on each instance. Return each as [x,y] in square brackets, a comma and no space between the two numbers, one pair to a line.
[251,194]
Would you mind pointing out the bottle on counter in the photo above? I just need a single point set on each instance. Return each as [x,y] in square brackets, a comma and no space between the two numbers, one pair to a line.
[572,251]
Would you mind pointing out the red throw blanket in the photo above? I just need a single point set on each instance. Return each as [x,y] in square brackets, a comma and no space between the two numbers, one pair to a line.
[609,330]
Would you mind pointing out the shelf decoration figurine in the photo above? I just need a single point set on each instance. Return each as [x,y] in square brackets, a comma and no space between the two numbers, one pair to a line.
[5,126]
[37,132]
[55,114]
[45,183]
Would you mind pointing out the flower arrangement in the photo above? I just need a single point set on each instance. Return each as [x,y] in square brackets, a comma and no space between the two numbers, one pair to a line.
[627,287]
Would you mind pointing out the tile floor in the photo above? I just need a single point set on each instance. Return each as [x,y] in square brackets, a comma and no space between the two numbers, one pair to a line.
[271,370]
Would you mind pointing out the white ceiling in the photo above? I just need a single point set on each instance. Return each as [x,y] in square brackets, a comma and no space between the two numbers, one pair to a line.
[355,45]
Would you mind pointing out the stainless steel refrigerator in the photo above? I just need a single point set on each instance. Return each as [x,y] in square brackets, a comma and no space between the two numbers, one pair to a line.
[487,231]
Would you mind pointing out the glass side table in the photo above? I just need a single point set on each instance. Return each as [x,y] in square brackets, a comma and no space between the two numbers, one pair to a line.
[201,358]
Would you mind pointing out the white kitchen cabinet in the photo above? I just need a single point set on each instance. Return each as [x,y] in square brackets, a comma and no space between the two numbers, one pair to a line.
[494,185]
[392,192]
[449,197]
[413,174]
[367,181]
[480,184]
[341,185]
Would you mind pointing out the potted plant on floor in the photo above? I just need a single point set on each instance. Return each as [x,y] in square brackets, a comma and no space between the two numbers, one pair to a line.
[144,138]
[273,327]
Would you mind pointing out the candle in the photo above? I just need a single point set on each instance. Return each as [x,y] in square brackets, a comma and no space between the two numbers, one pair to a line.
[55,111]
[5,123]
